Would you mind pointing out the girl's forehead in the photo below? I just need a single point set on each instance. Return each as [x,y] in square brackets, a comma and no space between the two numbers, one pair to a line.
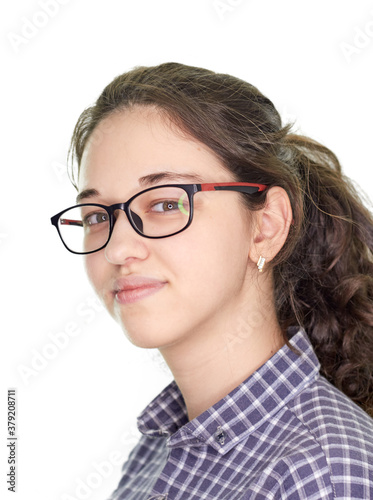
[136,143]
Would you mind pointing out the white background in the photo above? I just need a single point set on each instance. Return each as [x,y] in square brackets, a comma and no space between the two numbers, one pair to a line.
[78,410]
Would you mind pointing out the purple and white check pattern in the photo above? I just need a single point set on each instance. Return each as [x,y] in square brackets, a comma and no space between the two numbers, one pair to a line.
[284,433]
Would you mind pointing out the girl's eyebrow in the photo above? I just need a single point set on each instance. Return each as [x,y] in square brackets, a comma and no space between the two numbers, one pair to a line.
[169,176]
[87,193]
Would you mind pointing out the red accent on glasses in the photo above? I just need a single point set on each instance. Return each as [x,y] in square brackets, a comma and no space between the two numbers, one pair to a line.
[71,222]
[222,185]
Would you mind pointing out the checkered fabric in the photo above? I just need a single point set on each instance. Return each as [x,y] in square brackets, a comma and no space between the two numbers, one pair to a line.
[285,432]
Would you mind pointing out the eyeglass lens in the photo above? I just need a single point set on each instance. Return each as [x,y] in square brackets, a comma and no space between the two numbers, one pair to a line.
[158,212]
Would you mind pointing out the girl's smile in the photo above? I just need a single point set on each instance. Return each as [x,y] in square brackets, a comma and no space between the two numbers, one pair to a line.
[134,288]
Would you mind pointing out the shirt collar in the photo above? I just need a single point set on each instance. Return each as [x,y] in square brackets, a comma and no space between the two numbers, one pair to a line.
[243,410]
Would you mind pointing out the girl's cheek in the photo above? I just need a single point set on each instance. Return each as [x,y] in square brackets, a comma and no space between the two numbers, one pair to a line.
[94,269]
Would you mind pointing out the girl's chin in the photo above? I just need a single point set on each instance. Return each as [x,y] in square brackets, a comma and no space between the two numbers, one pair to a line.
[147,336]
[147,341]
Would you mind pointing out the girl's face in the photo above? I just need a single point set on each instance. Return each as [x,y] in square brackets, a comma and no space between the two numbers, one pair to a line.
[170,290]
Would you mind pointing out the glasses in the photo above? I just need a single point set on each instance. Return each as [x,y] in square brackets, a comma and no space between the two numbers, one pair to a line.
[156,212]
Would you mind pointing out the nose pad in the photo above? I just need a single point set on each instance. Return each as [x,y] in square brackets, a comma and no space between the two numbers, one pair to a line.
[137,220]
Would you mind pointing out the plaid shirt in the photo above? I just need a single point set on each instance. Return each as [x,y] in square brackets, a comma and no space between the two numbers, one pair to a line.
[285,432]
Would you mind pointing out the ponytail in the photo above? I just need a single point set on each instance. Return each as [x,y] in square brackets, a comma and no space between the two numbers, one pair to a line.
[325,283]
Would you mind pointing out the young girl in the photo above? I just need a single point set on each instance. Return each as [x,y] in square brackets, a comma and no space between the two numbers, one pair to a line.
[243,254]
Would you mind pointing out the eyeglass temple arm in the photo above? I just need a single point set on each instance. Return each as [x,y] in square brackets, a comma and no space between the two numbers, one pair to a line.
[71,222]
[242,187]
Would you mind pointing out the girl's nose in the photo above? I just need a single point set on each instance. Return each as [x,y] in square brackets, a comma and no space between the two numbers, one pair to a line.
[124,242]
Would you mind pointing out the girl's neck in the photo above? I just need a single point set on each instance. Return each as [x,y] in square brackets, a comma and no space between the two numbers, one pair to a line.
[209,364]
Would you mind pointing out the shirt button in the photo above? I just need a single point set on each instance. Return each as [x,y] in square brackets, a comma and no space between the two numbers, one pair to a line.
[220,435]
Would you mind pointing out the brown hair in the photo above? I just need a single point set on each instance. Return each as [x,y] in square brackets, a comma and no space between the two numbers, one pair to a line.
[323,275]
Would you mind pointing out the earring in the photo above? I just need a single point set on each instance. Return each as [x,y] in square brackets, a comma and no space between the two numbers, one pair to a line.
[261,263]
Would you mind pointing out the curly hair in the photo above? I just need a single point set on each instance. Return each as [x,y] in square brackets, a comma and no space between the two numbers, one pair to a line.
[323,275]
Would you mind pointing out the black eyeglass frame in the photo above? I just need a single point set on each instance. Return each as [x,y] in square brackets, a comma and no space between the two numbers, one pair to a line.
[190,189]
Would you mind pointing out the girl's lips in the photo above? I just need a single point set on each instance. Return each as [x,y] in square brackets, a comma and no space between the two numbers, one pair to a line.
[134,288]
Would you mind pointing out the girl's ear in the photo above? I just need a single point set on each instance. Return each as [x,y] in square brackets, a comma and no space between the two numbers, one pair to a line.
[272,225]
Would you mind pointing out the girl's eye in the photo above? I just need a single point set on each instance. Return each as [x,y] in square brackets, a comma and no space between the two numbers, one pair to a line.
[165,206]
[95,218]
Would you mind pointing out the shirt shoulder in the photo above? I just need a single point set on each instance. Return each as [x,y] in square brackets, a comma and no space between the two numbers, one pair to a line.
[298,476]
[333,418]
[320,446]
[344,433]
